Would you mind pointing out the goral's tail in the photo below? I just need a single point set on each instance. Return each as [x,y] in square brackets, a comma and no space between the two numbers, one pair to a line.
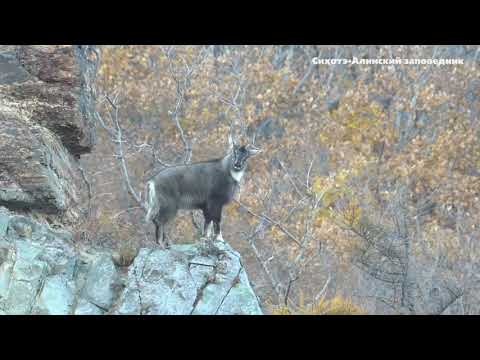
[151,201]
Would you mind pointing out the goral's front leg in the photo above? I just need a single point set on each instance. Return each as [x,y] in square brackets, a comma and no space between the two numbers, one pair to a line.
[208,241]
[218,231]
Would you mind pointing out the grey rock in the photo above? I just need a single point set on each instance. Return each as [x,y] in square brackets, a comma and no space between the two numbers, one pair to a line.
[101,282]
[240,300]
[20,297]
[162,281]
[3,254]
[6,268]
[86,308]
[130,303]
[25,279]
[4,221]
[10,69]
[27,265]
[56,297]
[182,280]
[215,293]
[20,227]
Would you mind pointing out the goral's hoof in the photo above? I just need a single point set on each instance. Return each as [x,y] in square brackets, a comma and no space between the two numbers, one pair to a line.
[219,238]
[163,246]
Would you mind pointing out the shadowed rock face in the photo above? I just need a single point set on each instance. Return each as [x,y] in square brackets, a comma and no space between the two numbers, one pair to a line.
[53,85]
[42,272]
[47,101]
[36,171]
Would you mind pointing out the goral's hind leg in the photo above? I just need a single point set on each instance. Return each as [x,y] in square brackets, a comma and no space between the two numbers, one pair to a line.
[166,214]
[159,231]
[160,234]
[166,238]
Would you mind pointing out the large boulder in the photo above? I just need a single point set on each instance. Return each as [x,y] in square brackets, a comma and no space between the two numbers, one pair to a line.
[185,280]
[101,281]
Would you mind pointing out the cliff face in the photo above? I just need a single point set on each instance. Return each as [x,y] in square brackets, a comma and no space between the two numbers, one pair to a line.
[47,100]
[46,106]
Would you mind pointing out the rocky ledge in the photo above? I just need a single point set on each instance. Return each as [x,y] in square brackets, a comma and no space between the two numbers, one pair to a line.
[42,271]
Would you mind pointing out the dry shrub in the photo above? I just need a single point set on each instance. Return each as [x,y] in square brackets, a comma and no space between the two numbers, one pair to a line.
[334,306]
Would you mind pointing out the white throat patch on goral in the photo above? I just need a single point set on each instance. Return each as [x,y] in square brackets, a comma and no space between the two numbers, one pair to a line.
[237,175]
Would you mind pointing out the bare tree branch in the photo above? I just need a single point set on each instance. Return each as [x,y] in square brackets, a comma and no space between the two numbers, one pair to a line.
[273,222]
[117,138]
[182,85]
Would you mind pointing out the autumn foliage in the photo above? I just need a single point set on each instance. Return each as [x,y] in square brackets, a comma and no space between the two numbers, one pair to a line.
[369,173]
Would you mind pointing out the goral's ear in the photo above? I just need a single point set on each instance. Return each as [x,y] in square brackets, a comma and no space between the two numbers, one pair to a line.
[252,150]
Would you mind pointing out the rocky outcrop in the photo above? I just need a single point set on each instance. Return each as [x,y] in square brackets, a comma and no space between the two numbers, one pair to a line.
[47,100]
[42,271]
[184,280]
